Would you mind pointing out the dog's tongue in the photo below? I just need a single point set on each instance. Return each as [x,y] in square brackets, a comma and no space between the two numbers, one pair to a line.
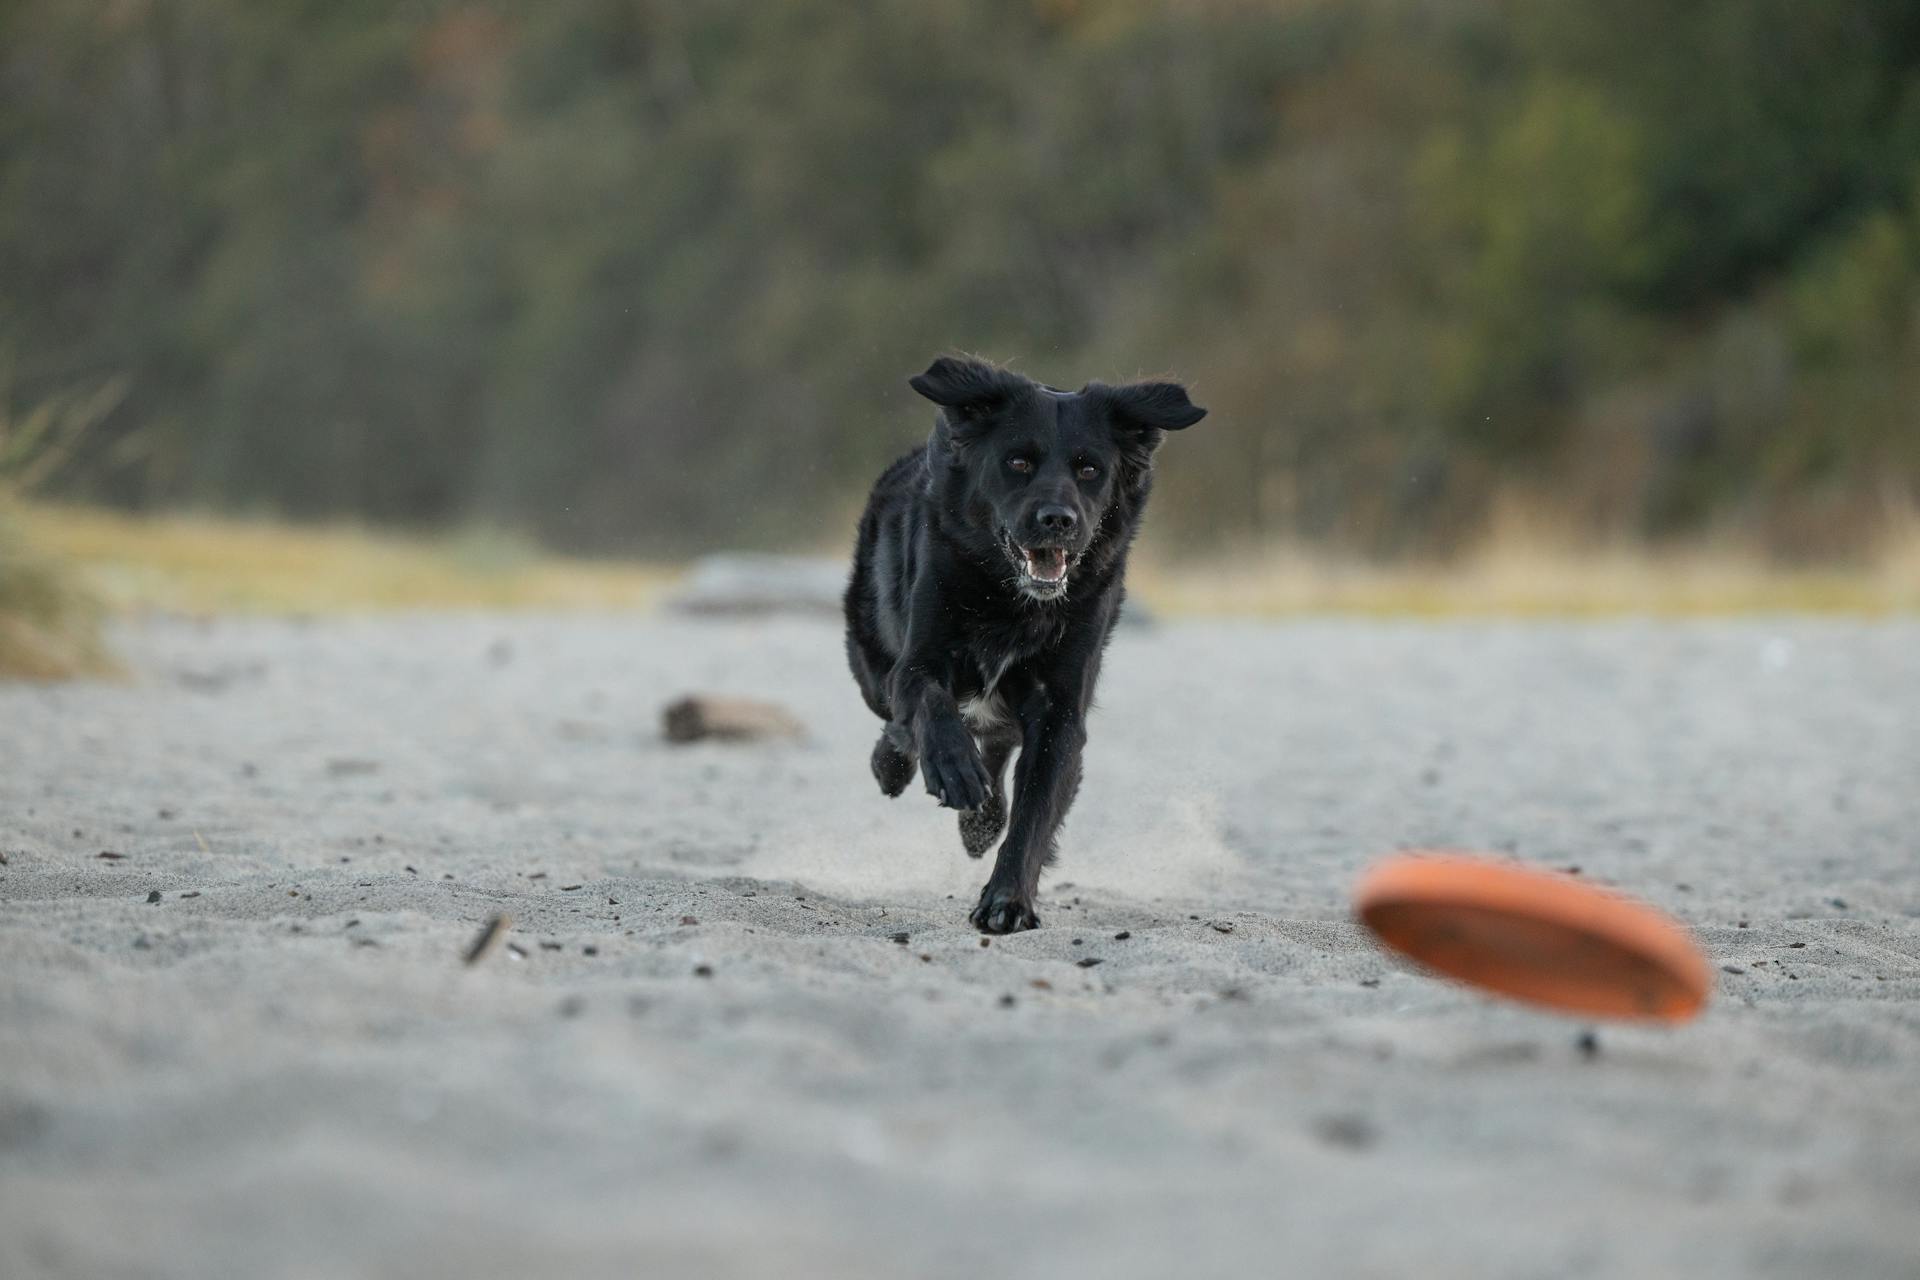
[1048,564]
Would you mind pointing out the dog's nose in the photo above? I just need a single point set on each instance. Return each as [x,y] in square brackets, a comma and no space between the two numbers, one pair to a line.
[1057,519]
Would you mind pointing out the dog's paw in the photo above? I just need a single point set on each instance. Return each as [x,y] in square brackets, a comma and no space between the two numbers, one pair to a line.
[979,828]
[1003,911]
[954,773]
[892,767]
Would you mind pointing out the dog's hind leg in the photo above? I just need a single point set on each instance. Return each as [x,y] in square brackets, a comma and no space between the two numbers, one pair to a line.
[979,828]
[894,761]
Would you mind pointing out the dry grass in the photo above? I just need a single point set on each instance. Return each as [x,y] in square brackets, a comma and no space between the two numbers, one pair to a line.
[49,622]
[1531,563]
[1516,582]
[201,564]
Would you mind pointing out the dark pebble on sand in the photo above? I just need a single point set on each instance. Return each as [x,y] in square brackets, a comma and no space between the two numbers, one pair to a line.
[196,893]
[925,958]
[1122,936]
[900,938]
[568,888]
[1076,942]
[1731,968]
[412,871]
[1588,1043]
[1089,962]
[986,942]
[1369,982]
[550,946]
[154,896]
[589,951]
[108,855]
[1796,945]
[1007,1001]
[703,971]
[689,920]
[1223,926]
[1355,1133]
[1838,904]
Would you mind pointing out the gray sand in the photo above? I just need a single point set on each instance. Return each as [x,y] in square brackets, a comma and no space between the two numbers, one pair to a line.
[292,1074]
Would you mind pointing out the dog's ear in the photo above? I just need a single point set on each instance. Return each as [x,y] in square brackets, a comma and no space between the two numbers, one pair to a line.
[1142,413]
[1153,406]
[967,387]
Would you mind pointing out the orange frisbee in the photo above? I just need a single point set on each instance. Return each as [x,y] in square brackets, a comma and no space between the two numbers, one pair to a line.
[1535,935]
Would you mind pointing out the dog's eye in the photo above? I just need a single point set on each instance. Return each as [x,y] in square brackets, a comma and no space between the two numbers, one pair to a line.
[1022,465]
[1089,472]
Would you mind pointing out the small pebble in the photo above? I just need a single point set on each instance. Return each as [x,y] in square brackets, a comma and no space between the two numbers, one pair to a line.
[703,971]
[689,920]
[1731,968]
[1588,1043]
[986,942]
[1007,1001]
[1089,962]
[900,938]
[1122,936]
[154,896]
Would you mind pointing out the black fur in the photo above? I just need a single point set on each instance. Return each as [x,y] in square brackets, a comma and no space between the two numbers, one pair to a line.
[960,636]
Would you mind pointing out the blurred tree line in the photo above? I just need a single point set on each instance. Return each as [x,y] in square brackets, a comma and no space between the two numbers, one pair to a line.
[650,274]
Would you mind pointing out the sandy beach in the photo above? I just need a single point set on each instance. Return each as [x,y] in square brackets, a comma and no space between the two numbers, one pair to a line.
[740,1027]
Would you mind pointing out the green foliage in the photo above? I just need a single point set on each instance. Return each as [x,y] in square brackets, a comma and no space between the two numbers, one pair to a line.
[653,274]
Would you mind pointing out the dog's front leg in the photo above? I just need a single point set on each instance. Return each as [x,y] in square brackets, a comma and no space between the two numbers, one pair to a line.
[1053,735]
[950,763]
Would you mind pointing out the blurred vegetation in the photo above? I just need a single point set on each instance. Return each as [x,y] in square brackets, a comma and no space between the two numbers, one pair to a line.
[205,565]
[650,274]
[49,621]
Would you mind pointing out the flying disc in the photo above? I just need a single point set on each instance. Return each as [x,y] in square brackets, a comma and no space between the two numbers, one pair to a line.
[1535,935]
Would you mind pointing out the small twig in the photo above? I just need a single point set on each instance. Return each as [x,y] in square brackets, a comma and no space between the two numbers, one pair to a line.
[488,936]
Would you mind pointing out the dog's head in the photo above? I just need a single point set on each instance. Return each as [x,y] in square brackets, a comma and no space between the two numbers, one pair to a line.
[1038,473]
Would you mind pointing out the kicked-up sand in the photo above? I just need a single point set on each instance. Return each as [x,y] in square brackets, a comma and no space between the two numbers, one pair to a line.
[739,1025]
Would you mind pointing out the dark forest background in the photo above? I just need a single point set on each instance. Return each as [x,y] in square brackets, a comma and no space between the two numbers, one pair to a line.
[650,275]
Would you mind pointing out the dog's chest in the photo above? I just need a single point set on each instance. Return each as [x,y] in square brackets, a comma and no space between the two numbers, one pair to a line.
[996,648]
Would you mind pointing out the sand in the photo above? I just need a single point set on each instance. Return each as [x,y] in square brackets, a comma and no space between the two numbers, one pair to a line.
[708,1053]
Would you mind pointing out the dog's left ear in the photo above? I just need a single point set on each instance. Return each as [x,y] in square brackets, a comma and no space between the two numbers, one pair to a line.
[1142,413]
[1152,406]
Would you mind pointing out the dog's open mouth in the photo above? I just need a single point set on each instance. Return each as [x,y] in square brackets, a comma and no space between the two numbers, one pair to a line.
[1043,570]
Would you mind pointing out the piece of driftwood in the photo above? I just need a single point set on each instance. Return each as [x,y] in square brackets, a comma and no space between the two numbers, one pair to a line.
[741,585]
[700,716]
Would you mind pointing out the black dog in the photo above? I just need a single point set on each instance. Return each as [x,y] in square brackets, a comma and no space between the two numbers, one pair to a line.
[986,579]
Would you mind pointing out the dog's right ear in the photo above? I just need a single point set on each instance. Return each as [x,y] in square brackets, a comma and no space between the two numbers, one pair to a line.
[968,388]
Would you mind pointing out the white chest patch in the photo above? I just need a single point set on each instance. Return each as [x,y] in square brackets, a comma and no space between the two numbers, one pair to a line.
[984,712]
